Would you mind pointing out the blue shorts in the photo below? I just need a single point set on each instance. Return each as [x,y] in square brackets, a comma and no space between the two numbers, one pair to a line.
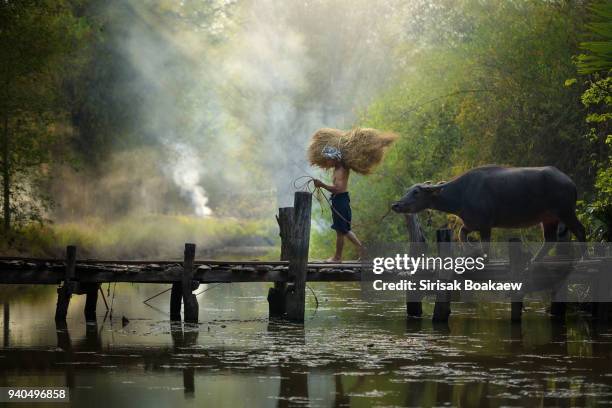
[341,212]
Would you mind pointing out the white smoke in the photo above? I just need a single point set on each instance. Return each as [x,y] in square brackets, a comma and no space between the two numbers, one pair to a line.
[186,170]
[298,66]
[239,112]
[169,55]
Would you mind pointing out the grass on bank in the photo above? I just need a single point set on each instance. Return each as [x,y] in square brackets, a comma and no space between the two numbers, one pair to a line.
[141,237]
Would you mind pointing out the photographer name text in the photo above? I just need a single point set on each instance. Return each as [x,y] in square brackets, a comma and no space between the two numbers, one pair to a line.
[403,264]
[452,285]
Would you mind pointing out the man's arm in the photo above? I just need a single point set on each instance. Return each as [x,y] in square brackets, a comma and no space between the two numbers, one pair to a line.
[339,185]
[329,187]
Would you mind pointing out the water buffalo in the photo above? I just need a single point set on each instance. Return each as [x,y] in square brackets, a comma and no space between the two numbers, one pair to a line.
[502,197]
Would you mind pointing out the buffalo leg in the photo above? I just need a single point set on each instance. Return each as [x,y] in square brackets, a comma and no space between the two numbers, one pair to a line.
[550,237]
[485,241]
[577,229]
[465,241]
[463,234]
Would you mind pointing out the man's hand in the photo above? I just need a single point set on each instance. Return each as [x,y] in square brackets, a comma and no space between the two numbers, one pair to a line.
[318,183]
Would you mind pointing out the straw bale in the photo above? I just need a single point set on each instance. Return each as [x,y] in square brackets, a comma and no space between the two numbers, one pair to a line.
[362,149]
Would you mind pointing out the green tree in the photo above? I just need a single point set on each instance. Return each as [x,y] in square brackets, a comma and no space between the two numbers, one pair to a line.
[596,64]
[484,85]
[36,38]
[598,56]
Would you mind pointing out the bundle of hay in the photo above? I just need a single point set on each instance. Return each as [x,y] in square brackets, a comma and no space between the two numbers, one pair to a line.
[362,149]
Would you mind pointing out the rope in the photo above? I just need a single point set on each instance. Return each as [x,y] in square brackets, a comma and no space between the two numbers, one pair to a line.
[113,299]
[319,195]
[103,297]
[166,290]
[315,296]
[208,288]
[154,296]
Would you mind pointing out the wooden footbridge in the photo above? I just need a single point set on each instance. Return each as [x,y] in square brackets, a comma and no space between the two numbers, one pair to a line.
[289,275]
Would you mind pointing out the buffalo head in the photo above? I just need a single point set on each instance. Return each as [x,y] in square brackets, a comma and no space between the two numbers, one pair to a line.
[417,198]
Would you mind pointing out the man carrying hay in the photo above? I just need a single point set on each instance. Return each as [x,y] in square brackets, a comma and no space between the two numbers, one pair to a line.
[360,150]
[340,204]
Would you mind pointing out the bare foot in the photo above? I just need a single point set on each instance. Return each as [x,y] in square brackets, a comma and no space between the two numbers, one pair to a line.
[334,259]
[362,254]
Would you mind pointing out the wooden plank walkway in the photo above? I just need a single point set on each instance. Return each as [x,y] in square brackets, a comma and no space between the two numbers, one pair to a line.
[287,297]
[52,271]
[87,272]
[16,270]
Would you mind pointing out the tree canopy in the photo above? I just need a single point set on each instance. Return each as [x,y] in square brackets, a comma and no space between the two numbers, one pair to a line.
[122,107]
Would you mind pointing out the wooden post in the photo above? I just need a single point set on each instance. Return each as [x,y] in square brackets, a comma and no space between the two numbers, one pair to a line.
[63,336]
[442,308]
[293,385]
[189,382]
[558,308]
[91,301]
[518,262]
[176,297]
[418,246]
[92,337]
[65,343]
[190,303]
[7,321]
[298,263]
[602,311]
[276,295]
[64,293]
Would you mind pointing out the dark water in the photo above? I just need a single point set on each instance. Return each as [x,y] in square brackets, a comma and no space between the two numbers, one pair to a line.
[349,353]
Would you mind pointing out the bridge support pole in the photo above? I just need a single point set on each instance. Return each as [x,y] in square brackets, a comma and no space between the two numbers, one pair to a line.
[558,306]
[176,298]
[276,294]
[442,308]
[518,261]
[418,246]
[295,300]
[91,301]
[64,293]
[602,311]
[7,321]
[190,303]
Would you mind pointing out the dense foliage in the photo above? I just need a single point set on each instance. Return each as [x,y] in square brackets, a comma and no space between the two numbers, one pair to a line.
[597,98]
[38,40]
[502,88]
[107,106]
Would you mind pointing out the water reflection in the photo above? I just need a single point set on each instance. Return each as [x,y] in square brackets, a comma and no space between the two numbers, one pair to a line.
[6,312]
[350,353]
